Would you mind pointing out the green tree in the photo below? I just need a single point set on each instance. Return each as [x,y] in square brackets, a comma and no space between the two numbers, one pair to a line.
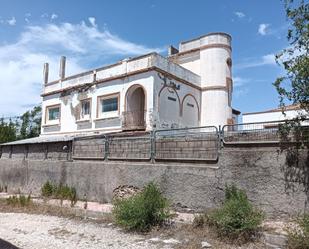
[26,126]
[7,131]
[293,87]
[30,123]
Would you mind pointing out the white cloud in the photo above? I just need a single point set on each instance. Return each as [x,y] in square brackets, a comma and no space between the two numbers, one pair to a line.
[27,17]
[269,59]
[239,81]
[54,16]
[239,14]
[265,60]
[12,21]
[92,21]
[21,62]
[44,15]
[264,29]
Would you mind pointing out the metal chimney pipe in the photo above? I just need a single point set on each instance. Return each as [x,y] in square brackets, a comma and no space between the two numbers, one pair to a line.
[62,67]
[45,73]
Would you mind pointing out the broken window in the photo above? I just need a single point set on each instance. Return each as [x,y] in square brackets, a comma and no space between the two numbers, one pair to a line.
[86,108]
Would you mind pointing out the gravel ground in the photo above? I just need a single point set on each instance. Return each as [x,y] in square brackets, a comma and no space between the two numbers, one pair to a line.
[29,231]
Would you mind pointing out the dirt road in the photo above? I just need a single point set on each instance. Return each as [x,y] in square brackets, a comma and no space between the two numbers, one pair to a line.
[28,231]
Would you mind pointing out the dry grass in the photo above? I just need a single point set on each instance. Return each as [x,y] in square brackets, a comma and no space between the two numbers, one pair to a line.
[192,237]
[45,209]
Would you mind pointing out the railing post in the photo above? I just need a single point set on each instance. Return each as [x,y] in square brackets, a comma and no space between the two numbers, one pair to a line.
[152,146]
[46,151]
[106,147]
[26,151]
[220,131]
[11,151]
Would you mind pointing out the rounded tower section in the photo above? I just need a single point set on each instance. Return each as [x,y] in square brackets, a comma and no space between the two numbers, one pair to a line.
[216,79]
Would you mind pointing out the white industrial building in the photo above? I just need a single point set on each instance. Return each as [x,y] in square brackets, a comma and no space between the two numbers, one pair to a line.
[192,86]
[273,115]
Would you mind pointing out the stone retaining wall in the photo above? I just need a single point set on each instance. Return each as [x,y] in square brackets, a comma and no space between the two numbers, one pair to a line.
[262,171]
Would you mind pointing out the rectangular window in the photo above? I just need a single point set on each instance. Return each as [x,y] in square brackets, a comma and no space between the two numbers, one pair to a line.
[52,114]
[109,104]
[86,108]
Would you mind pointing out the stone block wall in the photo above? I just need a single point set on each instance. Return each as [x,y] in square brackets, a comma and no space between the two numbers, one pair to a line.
[127,148]
[183,148]
[262,171]
[42,151]
[91,148]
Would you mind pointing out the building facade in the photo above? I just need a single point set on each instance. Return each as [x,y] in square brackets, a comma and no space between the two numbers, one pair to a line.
[274,115]
[192,86]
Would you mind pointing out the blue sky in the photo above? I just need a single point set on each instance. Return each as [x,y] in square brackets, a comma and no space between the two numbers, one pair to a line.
[95,33]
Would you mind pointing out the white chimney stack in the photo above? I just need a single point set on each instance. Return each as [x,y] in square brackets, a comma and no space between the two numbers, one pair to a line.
[62,67]
[45,73]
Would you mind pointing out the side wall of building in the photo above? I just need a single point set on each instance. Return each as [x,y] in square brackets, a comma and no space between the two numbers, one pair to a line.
[210,57]
[70,105]
[262,172]
[176,104]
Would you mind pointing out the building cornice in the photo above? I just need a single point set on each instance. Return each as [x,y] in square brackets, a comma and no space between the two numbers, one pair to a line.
[76,87]
[209,46]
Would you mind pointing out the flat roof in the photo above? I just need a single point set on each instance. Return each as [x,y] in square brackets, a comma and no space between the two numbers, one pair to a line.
[208,34]
[42,139]
[279,109]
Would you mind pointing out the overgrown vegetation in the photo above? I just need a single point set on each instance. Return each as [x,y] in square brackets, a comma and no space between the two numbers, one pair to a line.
[237,219]
[293,86]
[20,200]
[26,126]
[298,237]
[62,192]
[3,188]
[143,210]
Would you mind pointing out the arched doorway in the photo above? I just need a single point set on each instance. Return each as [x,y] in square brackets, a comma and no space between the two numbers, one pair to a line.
[135,109]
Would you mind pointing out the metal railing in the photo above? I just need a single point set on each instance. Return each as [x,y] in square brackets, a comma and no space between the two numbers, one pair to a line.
[183,144]
[134,120]
[129,147]
[259,133]
[187,144]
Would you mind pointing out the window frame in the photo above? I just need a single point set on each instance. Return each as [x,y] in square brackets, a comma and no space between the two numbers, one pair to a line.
[55,121]
[102,115]
[87,116]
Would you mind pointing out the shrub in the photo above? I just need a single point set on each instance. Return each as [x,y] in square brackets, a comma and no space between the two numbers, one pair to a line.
[48,189]
[237,218]
[20,200]
[59,192]
[298,237]
[143,210]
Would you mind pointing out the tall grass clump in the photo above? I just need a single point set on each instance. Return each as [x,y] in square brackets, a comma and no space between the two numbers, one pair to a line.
[143,210]
[20,201]
[237,218]
[62,192]
[298,236]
